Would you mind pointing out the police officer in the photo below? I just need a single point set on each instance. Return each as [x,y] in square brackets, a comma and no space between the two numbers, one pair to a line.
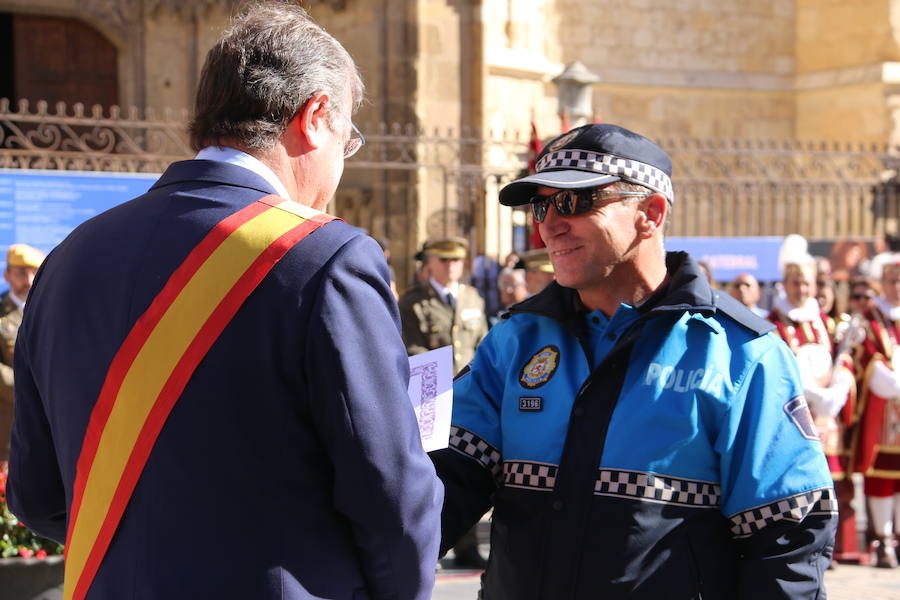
[443,311]
[22,262]
[638,434]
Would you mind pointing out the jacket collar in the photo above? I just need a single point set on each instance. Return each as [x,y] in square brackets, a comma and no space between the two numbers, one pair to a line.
[213,171]
[685,290]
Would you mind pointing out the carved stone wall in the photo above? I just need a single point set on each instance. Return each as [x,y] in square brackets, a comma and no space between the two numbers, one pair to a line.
[779,69]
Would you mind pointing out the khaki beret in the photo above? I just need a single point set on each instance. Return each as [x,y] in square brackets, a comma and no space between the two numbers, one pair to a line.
[22,255]
[537,260]
[451,247]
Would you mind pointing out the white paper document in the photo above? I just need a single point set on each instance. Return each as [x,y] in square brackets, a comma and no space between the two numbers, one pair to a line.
[431,394]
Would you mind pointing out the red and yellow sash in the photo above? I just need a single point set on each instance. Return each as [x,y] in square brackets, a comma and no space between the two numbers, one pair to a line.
[155,362]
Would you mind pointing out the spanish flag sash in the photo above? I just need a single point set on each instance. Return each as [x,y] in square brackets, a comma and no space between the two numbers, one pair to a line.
[155,362]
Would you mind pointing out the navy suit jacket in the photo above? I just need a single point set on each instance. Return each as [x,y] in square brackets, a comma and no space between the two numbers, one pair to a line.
[290,468]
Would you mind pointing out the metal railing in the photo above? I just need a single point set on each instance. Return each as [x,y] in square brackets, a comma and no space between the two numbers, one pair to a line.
[723,187]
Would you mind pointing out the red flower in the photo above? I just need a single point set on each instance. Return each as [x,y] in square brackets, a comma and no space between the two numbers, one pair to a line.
[25,552]
[41,554]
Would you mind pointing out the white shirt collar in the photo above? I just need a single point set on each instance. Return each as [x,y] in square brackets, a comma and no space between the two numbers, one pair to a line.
[442,291]
[233,156]
[810,310]
[16,300]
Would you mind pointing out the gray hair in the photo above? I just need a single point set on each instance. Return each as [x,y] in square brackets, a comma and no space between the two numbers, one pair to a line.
[262,72]
[625,186]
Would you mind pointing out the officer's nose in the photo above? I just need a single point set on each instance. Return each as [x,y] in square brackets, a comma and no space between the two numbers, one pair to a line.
[553,224]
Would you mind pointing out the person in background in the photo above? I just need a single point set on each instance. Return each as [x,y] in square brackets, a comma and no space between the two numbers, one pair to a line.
[513,289]
[877,453]
[420,272]
[22,263]
[538,270]
[445,311]
[826,296]
[862,295]
[823,268]
[745,289]
[221,349]
[483,277]
[638,434]
[512,261]
[826,370]
[386,250]
[707,272]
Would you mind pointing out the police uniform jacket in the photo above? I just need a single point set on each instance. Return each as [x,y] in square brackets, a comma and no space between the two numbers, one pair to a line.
[666,452]
[290,468]
[10,319]
[430,323]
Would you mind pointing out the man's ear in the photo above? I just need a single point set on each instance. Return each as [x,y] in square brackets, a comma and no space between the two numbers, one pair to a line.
[653,214]
[311,124]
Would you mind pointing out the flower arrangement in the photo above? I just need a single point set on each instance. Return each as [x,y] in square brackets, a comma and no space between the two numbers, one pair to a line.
[15,538]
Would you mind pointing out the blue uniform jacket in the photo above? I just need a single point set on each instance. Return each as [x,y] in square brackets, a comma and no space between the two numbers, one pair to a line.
[291,467]
[666,452]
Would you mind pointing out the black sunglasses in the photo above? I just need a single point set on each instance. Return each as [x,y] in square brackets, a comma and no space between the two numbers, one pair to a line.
[577,202]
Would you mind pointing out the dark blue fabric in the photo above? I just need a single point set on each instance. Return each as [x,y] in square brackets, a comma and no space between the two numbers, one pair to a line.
[290,468]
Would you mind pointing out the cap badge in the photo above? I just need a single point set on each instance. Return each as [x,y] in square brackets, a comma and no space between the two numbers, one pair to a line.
[563,141]
[540,367]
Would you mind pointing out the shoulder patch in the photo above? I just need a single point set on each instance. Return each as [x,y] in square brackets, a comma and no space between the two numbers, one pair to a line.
[798,410]
[741,314]
[539,369]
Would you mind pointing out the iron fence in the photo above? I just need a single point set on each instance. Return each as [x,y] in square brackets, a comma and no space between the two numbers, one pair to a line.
[723,187]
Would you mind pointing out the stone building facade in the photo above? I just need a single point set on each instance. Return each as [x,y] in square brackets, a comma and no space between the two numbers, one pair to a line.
[767,69]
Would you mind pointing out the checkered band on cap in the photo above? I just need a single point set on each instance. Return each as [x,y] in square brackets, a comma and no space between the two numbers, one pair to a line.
[536,476]
[794,508]
[467,443]
[630,170]
[657,488]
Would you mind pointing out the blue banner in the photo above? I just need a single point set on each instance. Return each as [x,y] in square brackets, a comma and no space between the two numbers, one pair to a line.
[728,257]
[40,208]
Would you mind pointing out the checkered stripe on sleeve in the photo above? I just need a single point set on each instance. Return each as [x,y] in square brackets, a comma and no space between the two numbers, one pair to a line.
[536,476]
[465,442]
[657,488]
[609,164]
[794,508]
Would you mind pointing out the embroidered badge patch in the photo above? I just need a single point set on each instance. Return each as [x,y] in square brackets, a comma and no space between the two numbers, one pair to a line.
[531,403]
[540,367]
[798,411]
[563,141]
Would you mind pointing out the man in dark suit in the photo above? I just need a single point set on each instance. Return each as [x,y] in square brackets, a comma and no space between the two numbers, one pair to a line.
[227,416]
